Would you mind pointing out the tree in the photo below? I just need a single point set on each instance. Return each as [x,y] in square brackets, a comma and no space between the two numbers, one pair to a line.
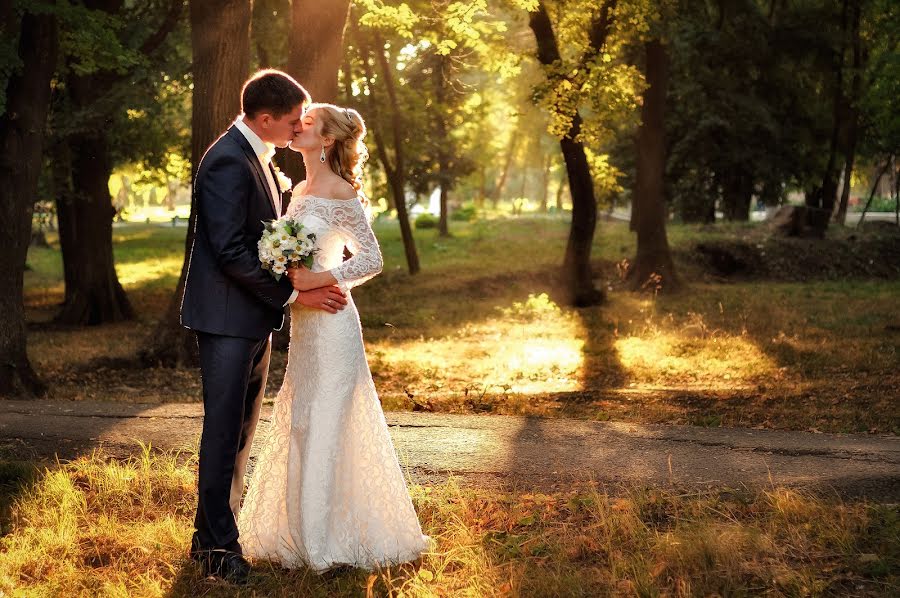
[577,273]
[853,111]
[22,124]
[395,168]
[220,42]
[653,263]
[97,86]
[315,51]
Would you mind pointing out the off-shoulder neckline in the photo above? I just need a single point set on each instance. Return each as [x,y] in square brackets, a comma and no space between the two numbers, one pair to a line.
[306,195]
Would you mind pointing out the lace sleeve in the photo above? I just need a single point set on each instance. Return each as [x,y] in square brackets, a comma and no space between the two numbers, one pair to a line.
[366,261]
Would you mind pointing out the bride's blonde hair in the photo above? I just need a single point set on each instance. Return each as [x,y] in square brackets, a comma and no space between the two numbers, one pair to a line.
[348,153]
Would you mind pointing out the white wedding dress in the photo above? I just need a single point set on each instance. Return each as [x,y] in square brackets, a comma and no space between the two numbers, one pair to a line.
[327,489]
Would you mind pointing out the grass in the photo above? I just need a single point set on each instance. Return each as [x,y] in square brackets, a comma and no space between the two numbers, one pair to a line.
[100,527]
[480,330]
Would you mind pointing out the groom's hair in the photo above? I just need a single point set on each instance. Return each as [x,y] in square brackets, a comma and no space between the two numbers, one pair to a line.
[272,91]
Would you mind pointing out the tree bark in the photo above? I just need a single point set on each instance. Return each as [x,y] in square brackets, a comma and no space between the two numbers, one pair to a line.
[853,116]
[577,274]
[440,84]
[884,169]
[315,51]
[220,45]
[652,266]
[822,206]
[85,215]
[94,294]
[21,139]
[497,192]
[545,182]
[737,193]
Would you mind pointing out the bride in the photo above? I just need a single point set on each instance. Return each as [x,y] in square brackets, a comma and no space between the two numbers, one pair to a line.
[327,490]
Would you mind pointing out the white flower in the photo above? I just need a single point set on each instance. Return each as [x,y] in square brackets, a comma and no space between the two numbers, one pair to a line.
[284,182]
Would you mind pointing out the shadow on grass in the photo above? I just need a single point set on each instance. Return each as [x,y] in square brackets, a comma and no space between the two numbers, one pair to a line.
[15,478]
[268,579]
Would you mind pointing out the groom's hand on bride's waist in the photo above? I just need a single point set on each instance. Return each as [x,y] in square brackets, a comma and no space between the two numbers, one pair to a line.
[329,299]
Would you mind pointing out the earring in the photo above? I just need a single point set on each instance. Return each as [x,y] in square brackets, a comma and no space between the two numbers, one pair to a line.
[322,155]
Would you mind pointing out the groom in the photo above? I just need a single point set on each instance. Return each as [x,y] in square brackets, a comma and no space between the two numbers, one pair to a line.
[233,304]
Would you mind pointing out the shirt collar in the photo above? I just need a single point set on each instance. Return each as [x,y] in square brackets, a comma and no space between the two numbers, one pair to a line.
[263,149]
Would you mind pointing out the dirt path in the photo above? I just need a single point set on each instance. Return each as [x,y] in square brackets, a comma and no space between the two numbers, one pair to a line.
[505,451]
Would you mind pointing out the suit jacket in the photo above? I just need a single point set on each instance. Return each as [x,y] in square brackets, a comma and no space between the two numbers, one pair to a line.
[226,291]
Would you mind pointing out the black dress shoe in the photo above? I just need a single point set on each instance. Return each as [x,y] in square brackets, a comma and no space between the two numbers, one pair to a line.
[230,566]
[224,564]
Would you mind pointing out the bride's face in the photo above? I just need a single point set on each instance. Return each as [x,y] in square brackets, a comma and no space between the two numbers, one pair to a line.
[309,136]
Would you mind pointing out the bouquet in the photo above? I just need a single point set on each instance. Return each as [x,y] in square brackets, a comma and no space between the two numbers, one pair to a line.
[285,243]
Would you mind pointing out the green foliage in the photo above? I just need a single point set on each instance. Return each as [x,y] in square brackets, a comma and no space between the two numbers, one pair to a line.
[141,100]
[466,213]
[398,19]
[93,40]
[881,100]
[879,203]
[426,220]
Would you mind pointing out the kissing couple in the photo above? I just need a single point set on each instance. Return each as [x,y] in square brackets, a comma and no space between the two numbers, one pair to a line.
[327,490]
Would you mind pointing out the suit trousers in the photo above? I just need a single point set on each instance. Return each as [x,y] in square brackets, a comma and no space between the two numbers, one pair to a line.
[233,371]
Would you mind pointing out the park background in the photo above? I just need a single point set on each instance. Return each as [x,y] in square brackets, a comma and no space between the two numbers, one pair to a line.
[618,211]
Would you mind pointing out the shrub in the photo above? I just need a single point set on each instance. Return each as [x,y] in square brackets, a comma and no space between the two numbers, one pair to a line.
[426,220]
[466,213]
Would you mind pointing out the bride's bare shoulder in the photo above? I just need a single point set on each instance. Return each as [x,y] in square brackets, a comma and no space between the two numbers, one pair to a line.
[343,190]
[300,187]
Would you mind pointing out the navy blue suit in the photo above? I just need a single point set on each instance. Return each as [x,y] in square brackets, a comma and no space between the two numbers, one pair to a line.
[233,305]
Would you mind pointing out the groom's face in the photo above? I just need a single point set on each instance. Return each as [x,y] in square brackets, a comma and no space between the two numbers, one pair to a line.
[280,131]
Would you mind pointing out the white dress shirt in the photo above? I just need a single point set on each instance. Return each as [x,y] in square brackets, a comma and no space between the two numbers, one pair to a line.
[264,152]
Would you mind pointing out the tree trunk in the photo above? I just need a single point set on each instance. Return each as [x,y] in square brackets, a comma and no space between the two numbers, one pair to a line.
[94,294]
[497,193]
[545,182]
[652,266]
[853,117]
[884,169]
[86,215]
[440,93]
[220,44]
[822,206]
[85,224]
[315,51]
[577,275]
[21,139]
[896,197]
[737,193]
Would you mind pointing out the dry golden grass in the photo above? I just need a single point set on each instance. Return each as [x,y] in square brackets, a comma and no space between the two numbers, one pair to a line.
[98,527]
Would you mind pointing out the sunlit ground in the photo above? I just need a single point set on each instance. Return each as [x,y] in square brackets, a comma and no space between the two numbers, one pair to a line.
[688,351]
[535,346]
[135,274]
[478,330]
[531,346]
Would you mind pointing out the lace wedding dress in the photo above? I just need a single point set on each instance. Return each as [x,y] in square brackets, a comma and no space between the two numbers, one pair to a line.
[327,489]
